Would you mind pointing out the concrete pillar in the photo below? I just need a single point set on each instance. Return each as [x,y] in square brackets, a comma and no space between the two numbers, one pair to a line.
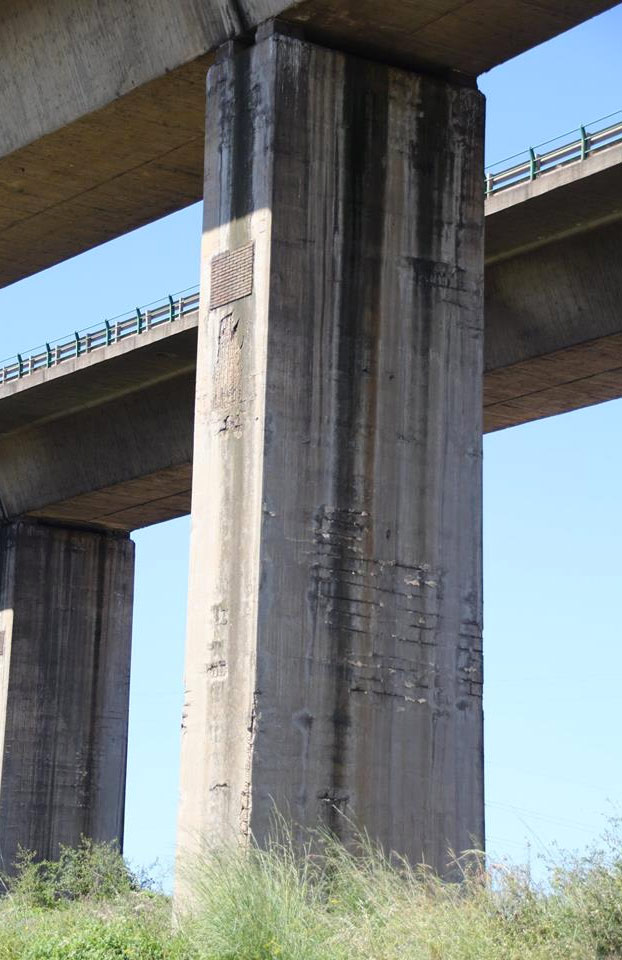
[65,637]
[334,643]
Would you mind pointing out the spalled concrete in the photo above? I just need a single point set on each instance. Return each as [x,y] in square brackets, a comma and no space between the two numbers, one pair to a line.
[102,104]
[65,636]
[334,637]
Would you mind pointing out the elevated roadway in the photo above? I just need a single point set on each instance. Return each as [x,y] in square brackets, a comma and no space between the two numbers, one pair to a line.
[105,132]
[335,596]
[553,292]
[106,437]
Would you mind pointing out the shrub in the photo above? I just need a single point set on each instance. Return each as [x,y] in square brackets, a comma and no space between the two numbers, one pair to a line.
[90,870]
[100,940]
[323,902]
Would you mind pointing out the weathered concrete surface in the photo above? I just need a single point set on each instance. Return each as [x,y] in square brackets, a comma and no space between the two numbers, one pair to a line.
[334,637]
[553,293]
[105,439]
[65,636]
[106,132]
[562,203]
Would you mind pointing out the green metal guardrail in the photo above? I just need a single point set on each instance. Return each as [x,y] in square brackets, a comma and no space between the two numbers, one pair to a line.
[568,148]
[166,310]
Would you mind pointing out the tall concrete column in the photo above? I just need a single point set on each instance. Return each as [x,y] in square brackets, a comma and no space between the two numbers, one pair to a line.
[65,637]
[334,639]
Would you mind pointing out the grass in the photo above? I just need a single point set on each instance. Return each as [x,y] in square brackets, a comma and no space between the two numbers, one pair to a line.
[329,904]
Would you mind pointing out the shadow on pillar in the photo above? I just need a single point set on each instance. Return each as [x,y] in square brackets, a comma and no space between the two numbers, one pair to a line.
[334,626]
[65,641]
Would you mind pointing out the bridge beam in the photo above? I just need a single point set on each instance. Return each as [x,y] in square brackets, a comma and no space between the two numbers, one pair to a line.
[65,636]
[334,639]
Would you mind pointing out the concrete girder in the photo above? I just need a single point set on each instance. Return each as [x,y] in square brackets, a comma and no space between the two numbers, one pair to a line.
[106,134]
[553,343]
[111,432]
[553,289]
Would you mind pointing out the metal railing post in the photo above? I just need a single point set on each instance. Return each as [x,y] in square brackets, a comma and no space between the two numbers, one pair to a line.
[585,146]
[533,164]
[111,331]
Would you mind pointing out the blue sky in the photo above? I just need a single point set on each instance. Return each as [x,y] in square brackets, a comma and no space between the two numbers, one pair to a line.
[552,515]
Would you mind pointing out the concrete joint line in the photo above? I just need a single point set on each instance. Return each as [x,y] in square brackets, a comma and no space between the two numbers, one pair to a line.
[230,49]
[271,27]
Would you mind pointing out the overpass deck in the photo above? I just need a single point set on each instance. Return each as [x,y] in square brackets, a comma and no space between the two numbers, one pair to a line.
[98,428]
[132,77]
[519,171]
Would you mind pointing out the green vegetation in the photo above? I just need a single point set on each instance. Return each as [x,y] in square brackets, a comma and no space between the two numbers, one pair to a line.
[325,905]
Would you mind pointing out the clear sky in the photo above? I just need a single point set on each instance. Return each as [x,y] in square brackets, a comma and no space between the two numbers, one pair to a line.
[552,514]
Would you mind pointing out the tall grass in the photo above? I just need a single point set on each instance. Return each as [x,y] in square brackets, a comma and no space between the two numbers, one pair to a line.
[325,903]
[270,904]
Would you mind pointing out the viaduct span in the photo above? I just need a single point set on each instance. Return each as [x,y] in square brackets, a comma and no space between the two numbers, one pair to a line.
[340,381]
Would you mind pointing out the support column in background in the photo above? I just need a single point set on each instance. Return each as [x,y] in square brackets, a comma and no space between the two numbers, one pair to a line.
[65,640]
[334,640]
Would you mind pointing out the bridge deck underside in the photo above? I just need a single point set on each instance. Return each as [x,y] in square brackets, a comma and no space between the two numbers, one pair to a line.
[107,133]
[107,439]
[553,293]
[129,505]
[559,382]
[128,493]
